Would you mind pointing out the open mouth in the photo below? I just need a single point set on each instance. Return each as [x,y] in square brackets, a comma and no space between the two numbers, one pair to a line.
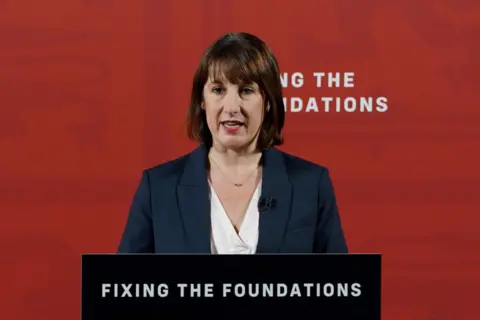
[232,124]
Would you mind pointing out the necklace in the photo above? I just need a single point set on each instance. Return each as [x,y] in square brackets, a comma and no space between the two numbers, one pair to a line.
[236,184]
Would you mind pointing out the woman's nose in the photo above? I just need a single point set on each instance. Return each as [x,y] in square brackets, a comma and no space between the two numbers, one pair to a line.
[231,102]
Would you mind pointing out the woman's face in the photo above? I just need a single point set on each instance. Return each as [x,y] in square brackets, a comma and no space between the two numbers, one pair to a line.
[234,114]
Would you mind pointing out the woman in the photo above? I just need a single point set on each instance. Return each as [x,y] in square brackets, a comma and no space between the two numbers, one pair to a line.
[236,193]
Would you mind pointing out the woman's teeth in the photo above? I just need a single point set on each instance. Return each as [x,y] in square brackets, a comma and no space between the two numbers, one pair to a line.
[232,124]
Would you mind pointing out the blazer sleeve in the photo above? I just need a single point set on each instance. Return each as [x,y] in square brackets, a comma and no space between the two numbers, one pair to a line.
[138,233]
[329,236]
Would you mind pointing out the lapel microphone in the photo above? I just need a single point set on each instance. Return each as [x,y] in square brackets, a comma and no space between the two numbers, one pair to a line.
[266,203]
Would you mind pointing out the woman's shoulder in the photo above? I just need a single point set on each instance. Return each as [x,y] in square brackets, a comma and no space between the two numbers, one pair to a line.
[305,172]
[170,168]
[297,163]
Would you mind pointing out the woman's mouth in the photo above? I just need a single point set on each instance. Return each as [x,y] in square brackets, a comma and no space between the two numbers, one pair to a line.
[232,126]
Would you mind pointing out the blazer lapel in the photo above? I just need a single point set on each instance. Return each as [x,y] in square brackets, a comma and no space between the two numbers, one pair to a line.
[276,187]
[194,201]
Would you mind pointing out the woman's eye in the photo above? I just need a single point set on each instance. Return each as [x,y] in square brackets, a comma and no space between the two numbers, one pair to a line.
[247,90]
[217,90]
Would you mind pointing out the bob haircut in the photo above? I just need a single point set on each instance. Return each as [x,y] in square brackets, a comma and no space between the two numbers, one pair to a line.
[239,58]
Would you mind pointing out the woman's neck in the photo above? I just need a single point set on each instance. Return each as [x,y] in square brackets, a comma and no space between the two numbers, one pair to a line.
[229,158]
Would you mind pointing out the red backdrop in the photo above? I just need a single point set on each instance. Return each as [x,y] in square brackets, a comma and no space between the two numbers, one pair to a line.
[93,91]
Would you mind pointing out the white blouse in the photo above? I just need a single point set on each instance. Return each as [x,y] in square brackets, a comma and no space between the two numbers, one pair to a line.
[224,238]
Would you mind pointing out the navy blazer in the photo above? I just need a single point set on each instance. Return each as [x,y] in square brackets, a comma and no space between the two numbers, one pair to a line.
[170,212]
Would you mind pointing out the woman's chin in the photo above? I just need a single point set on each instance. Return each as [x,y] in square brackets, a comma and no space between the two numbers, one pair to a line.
[233,142]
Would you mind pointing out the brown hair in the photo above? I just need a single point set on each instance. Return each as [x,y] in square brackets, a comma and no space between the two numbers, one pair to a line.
[239,58]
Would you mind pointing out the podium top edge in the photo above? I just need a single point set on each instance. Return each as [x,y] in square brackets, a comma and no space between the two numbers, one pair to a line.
[210,254]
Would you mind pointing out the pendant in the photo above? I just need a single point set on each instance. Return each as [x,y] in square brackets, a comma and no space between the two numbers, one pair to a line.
[238,185]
